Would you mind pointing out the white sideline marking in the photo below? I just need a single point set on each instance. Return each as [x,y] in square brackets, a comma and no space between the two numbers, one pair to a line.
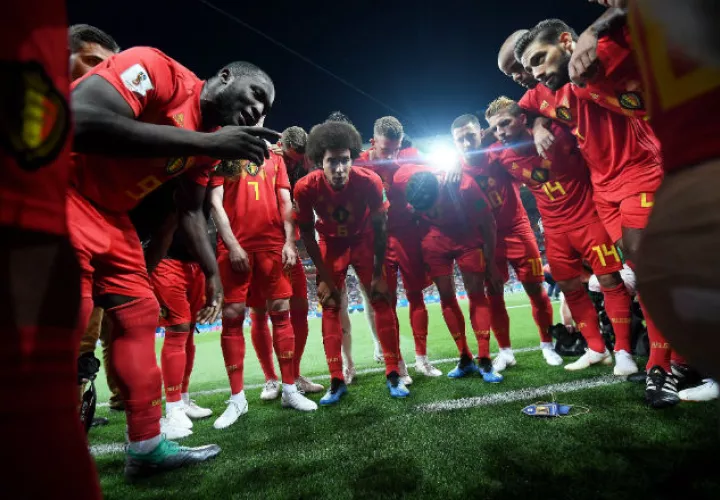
[98,450]
[364,371]
[518,395]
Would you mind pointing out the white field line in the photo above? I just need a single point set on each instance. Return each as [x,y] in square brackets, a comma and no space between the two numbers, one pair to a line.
[364,371]
[518,395]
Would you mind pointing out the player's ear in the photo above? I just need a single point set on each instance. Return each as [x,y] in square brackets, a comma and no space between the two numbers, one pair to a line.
[566,41]
[523,119]
[225,75]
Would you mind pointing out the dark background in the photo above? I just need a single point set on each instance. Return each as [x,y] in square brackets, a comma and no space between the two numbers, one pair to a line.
[427,61]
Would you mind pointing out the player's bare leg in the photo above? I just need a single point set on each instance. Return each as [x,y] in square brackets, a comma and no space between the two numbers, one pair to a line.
[349,371]
[263,344]
[480,321]
[232,341]
[543,314]
[661,385]
[455,321]
[617,305]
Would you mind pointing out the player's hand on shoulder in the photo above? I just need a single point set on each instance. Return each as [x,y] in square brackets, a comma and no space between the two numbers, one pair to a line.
[544,139]
[584,61]
[247,143]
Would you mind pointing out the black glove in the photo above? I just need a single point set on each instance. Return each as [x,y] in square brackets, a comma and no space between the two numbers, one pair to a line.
[88,367]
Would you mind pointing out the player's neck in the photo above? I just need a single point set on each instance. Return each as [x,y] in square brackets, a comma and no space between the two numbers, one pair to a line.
[524,144]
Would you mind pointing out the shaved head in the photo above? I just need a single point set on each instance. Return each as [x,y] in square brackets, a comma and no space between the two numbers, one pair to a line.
[510,66]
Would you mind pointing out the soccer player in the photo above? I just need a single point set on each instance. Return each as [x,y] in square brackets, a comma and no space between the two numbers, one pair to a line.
[623,156]
[351,209]
[253,213]
[89,46]
[573,230]
[516,244]
[141,119]
[403,253]
[458,227]
[39,289]
[292,148]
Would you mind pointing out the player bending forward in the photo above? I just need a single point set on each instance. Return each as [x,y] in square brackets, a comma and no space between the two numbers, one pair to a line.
[458,226]
[351,221]
[253,213]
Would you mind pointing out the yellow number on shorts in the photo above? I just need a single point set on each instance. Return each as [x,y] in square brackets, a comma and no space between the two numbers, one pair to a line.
[646,200]
[603,251]
[255,184]
[553,187]
[145,186]
[342,230]
[537,267]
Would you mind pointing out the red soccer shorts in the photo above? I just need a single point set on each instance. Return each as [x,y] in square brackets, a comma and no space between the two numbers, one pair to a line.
[266,278]
[339,254]
[404,253]
[440,251]
[108,250]
[298,283]
[180,289]
[629,208]
[566,251]
[520,250]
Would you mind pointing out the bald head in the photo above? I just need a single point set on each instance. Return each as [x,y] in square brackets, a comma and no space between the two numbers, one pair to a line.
[510,66]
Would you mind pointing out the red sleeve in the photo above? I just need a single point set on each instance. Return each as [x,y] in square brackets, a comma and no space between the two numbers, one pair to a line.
[530,101]
[375,194]
[216,180]
[282,180]
[303,202]
[142,75]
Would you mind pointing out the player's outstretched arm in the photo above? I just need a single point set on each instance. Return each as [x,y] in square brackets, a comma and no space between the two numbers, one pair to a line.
[239,259]
[160,241]
[584,60]
[190,199]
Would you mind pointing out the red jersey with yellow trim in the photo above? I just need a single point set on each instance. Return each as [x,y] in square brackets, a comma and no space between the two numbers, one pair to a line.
[455,213]
[502,192]
[683,97]
[34,150]
[560,184]
[343,213]
[160,91]
[251,203]
[541,100]
[399,215]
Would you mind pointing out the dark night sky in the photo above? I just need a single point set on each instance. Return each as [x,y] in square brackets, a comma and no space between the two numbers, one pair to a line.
[430,60]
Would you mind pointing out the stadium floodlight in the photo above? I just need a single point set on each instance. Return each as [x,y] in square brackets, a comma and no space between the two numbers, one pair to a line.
[443,155]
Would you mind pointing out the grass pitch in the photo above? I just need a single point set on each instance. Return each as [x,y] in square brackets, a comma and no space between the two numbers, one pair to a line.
[370,446]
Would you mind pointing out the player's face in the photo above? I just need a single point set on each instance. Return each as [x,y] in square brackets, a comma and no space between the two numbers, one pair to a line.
[386,149]
[90,55]
[243,100]
[513,69]
[293,155]
[507,128]
[336,165]
[468,139]
[548,63]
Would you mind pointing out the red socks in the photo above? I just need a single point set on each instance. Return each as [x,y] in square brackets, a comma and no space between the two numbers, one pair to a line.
[332,341]
[480,321]
[189,360]
[586,318]
[542,311]
[499,320]
[262,343]
[233,348]
[455,322]
[418,321]
[299,322]
[617,306]
[660,351]
[284,342]
[173,360]
[386,326]
[133,359]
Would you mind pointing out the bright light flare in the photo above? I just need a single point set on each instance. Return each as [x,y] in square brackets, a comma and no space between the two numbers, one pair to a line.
[443,155]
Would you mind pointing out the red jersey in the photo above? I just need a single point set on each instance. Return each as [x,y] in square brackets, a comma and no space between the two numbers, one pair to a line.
[503,193]
[683,97]
[251,203]
[34,151]
[344,213]
[541,100]
[560,184]
[399,215]
[162,92]
[457,209]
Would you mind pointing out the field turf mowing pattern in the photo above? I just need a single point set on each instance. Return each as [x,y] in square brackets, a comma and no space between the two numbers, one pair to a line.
[371,446]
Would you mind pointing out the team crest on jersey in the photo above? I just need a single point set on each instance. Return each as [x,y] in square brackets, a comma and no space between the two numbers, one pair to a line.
[176,165]
[252,169]
[341,215]
[179,119]
[35,125]
[631,100]
[563,113]
[540,175]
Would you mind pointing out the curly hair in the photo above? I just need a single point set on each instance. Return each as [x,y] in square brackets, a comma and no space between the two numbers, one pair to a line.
[294,138]
[332,136]
[388,126]
[503,105]
[547,31]
[338,116]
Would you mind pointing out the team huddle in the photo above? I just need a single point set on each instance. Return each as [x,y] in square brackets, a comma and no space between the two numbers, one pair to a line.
[159,153]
